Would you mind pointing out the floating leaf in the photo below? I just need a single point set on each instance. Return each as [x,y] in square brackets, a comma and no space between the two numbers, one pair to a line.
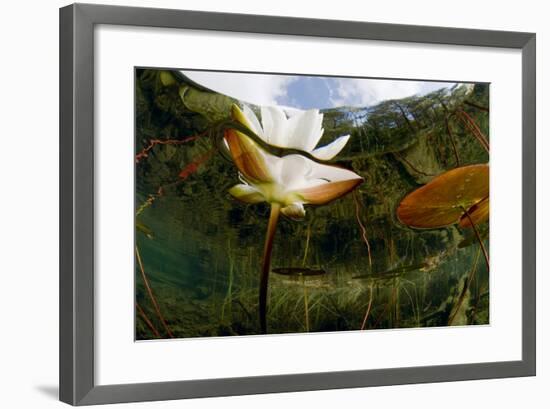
[479,213]
[442,201]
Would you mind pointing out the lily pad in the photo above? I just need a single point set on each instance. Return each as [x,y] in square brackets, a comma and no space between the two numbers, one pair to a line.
[479,213]
[444,200]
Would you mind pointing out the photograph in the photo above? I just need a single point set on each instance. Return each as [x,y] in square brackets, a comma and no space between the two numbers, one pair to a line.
[262,205]
[277,203]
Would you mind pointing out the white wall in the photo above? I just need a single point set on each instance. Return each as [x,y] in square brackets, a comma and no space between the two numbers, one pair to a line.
[29,191]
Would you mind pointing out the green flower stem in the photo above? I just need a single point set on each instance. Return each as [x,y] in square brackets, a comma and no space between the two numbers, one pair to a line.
[266,265]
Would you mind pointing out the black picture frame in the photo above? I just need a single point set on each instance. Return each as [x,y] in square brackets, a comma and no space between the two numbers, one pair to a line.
[77,21]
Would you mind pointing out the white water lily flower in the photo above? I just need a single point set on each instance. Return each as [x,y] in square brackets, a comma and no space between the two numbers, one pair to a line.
[301,131]
[291,181]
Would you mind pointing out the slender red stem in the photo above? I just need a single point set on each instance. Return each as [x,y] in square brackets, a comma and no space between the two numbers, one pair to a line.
[474,129]
[151,295]
[410,165]
[480,107]
[465,289]
[478,239]
[366,240]
[154,142]
[147,321]
[266,264]
[364,324]
[362,226]
[451,137]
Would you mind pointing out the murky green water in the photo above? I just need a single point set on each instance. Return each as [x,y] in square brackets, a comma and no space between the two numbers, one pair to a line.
[203,249]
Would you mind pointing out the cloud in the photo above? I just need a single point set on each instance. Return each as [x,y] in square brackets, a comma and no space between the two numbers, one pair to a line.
[259,89]
[365,92]
[309,92]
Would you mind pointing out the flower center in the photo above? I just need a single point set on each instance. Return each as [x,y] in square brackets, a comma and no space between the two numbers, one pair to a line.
[277,193]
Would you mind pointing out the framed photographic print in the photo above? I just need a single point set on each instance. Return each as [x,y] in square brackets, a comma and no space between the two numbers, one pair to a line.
[255,204]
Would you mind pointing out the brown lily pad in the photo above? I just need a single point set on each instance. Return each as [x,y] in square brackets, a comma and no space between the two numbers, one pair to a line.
[479,213]
[444,200]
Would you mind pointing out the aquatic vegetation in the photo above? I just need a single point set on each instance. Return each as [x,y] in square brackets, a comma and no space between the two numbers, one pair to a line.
[152,298]
[288,182]
[303,274]
[461,196]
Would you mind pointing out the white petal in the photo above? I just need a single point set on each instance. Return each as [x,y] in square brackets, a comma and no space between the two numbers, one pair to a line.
[293,171]
[291,125]
[307,132]
[246,193]
[327,183]
[253,122]
[331,173]
[321,176]
[295,211]
[274,125]
[329,151]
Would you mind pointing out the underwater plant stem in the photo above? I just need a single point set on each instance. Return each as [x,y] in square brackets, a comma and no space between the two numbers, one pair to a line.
[474,129]
[228,294]
[307,244]
[147,321]
[477,106]
[364,324]
[382,314]
[266,264]
[452,139]
[478,239]
[362,226]
[151,295]
[306,304]
[465,289]
[410,165]
[154,142]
